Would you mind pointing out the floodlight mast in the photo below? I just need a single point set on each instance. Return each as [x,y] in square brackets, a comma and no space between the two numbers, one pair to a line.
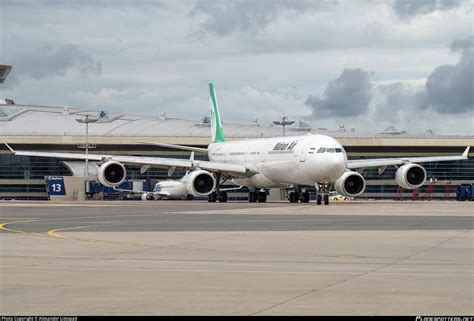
[4,71]
[283,122]
[87,120]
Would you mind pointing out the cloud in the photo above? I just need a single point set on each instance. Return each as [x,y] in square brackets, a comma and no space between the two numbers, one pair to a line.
[391,101]
[447,92]
[408,9]
[247,103]
[450,88]
[462,44]
[47,60]
[347,96]
[224,17]
[265,57]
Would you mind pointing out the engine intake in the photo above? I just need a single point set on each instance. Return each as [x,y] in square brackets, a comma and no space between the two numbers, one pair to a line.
[350,184]
[112,173]
[147,197]
[410,176]
[200,183]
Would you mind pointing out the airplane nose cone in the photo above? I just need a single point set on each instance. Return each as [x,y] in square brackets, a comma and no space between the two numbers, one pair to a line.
[336,166]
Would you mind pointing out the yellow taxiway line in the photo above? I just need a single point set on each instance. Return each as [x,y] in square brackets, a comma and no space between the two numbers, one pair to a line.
[3,226]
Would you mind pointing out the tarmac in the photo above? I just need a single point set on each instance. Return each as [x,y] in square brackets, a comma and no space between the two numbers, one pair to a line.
[199,258]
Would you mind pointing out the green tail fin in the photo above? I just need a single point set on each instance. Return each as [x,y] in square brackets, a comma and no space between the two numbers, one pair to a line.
[216,125]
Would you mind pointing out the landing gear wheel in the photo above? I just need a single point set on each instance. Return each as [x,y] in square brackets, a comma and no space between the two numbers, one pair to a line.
[293,197]
[323,189]
[223,197]
[318,199]
[252,197]
[189,197]
[262,197]
[304,197]
[212,197]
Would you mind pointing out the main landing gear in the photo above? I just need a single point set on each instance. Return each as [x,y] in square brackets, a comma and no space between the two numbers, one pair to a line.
[298,194]
[218,195]
[214,197]
[256,195]
[323,193]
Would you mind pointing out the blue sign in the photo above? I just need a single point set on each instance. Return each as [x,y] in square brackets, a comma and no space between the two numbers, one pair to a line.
[55,185]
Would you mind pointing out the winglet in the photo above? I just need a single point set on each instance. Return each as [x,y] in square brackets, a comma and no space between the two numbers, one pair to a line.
[463,154]
[8,146]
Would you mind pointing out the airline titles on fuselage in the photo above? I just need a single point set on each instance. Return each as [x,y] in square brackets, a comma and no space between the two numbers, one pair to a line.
[285,146]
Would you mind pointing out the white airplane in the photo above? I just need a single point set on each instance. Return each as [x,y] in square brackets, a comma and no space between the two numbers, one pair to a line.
[309,160]
[177,189]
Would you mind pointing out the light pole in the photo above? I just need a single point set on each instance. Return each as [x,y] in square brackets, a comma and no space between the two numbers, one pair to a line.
[283,122]
[87,120]
[4,71]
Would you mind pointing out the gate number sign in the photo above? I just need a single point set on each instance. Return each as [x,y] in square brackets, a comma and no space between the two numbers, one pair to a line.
[55,185]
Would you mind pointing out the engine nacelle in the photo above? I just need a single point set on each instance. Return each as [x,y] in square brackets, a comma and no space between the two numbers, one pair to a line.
[148,197]
[200,183]
[350,184]
[410,176]
[111,173]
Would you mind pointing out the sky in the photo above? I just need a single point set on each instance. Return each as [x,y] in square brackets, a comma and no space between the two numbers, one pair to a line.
[365,64]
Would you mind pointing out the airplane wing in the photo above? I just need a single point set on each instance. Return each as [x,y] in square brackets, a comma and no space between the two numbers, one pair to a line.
[382,162]
[233,169]
[180,147]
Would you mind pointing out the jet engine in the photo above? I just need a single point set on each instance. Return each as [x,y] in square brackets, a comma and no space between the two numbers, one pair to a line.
[111,173]
[410,176]
[147,197]
[350,184]
[200,183]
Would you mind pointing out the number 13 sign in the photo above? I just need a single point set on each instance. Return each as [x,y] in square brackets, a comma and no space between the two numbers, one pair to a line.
[55,185]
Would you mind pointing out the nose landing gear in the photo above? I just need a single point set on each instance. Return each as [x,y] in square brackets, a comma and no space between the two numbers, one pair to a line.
[320,198]
[323,193]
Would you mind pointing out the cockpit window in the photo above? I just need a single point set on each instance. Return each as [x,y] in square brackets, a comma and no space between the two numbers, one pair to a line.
[330,150]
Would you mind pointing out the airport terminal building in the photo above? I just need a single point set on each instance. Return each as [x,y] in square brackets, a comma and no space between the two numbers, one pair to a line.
[45,128]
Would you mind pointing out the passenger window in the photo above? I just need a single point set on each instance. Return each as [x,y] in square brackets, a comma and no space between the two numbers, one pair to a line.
[330,150]
[338,150]
[320,150]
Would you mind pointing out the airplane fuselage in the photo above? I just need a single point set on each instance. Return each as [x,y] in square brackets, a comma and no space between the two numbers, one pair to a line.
[282,161]
[171,189]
